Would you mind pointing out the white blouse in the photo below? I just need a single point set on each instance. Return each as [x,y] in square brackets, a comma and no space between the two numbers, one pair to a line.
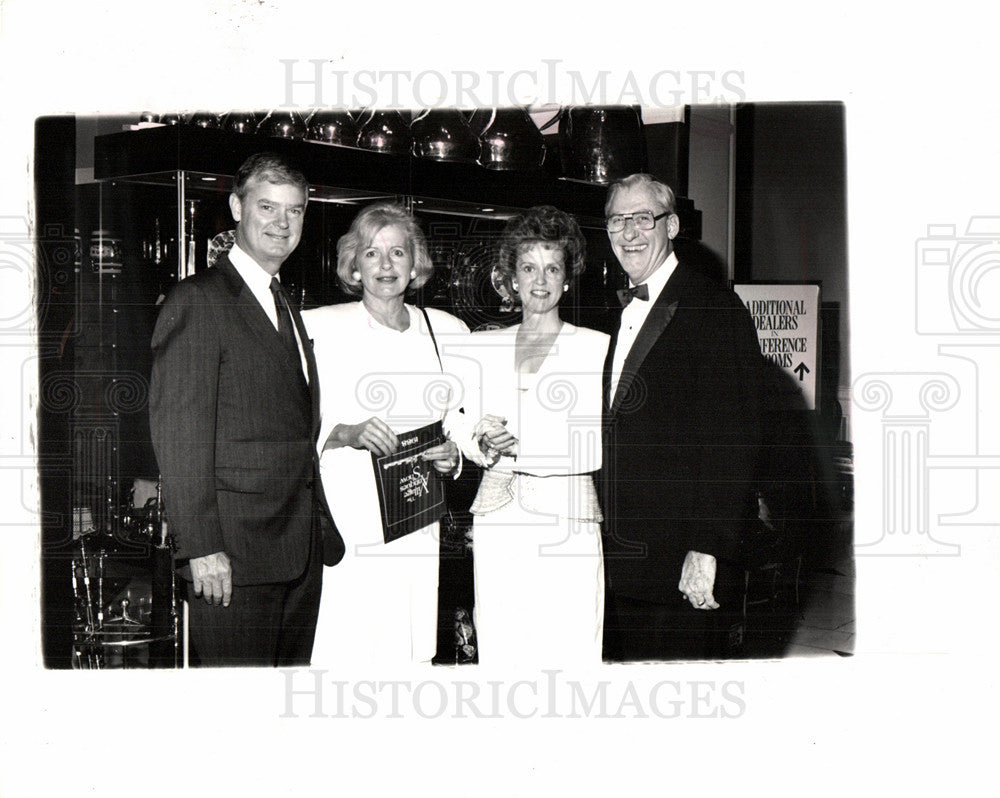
[554,413]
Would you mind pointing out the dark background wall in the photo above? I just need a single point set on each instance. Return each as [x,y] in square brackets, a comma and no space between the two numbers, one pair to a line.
[791,207]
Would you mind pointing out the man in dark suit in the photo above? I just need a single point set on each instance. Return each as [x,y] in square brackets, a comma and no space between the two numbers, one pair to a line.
[234,414]
[681,442]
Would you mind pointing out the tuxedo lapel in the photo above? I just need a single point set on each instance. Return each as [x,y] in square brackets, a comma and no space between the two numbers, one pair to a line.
[609,362]
[656,322]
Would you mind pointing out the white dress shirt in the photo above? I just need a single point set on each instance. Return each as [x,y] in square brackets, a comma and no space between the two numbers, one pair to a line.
[259,283]
[634,316]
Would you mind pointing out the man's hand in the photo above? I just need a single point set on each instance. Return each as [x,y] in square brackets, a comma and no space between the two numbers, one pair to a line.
[213,578]
[698,580]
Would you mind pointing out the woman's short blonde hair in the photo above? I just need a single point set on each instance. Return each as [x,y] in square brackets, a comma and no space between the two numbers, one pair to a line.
[365,227]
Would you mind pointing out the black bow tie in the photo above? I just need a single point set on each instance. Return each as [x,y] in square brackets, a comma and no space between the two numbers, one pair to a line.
[625,295]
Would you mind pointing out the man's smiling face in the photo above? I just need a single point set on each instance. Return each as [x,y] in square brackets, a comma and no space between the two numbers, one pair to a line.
[640,252]
[269,221]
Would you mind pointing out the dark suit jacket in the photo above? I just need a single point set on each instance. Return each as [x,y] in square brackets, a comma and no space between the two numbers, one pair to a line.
[682,437]
[234,428]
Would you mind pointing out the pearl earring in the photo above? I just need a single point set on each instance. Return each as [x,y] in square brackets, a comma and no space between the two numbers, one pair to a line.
[566,288]
[356,276]
[513,285]
[413,274]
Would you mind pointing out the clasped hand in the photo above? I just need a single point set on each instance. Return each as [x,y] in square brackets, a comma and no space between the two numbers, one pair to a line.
[494,438]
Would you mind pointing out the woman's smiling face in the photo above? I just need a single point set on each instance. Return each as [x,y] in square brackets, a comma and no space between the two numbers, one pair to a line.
[540,276]
[386,264]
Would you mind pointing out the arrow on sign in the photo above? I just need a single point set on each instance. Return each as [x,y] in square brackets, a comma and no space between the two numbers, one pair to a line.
[802,369]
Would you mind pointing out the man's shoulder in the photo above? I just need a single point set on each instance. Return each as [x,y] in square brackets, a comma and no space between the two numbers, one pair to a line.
[206,290]
[193,289]
[197,303]
[207,279]
[710,291]
[718,312]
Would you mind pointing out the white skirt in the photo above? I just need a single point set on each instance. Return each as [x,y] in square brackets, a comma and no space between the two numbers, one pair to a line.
[539,579]
[379,604]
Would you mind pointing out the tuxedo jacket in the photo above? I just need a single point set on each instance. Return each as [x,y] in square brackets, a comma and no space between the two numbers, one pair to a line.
[234,427]
[682,437]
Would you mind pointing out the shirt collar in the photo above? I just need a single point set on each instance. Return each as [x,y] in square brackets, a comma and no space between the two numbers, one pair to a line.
[658,279]
[251,272]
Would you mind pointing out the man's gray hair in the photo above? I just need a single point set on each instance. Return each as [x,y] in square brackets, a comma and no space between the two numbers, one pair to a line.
[660,191]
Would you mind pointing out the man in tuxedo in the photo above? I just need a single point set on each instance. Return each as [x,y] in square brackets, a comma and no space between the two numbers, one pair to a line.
[234,415]
[682,437]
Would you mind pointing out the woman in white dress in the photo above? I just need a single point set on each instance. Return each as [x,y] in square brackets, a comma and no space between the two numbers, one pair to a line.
[536,390]
[380,376]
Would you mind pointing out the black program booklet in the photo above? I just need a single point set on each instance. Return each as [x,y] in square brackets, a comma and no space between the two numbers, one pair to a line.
[410,492]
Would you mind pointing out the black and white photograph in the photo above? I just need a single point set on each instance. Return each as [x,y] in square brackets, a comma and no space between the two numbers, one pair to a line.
[724,444]
[533,390]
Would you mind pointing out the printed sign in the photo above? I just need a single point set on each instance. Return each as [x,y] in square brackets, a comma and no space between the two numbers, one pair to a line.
[787,319]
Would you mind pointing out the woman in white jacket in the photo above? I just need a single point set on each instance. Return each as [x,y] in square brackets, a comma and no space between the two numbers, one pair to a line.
[535,389]
[380,377]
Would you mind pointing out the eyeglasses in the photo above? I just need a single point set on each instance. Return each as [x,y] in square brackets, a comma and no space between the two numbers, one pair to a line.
[643,220]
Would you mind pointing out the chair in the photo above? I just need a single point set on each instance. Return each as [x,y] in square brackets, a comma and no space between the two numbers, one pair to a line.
[773,566]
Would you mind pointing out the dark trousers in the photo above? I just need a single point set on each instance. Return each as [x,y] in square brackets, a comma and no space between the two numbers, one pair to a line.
[637,630]
[269,625]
